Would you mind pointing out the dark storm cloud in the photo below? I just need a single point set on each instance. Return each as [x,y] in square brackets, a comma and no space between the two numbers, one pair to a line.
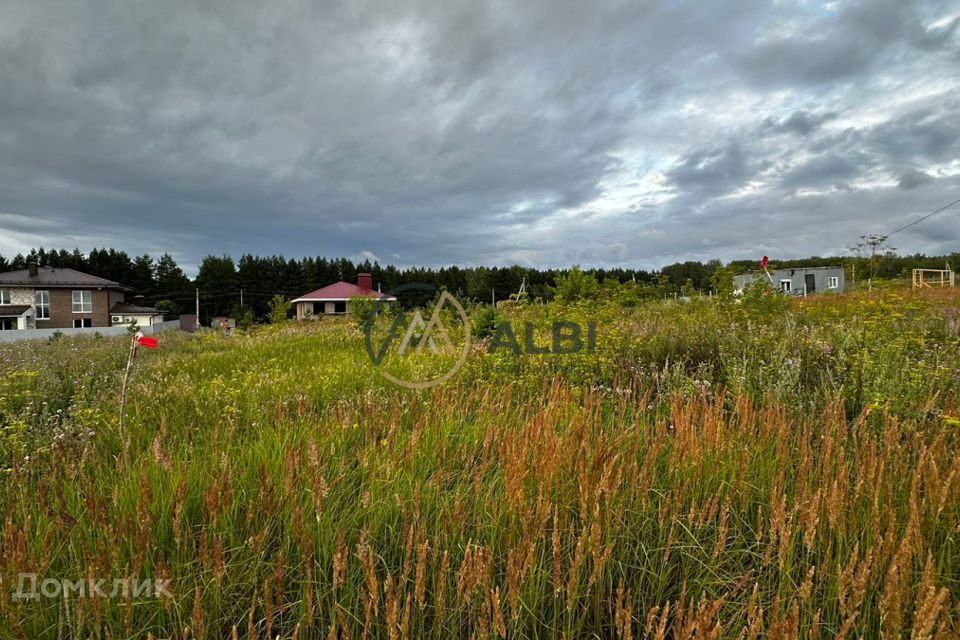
[831,45]
[911,179]
[926,134]
[470,132]
[713,171]
[825,169]
[799,122]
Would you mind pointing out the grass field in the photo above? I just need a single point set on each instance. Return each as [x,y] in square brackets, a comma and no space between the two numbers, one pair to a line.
[766,469]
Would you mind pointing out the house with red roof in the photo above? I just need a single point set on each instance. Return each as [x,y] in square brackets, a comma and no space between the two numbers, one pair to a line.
[335,298]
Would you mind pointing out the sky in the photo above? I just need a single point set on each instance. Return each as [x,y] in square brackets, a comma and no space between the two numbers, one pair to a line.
[543,133]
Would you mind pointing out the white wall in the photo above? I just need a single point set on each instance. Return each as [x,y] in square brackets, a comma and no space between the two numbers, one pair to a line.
[43,334]
[141,320]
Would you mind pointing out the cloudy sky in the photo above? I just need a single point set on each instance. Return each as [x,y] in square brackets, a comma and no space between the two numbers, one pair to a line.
[536,132]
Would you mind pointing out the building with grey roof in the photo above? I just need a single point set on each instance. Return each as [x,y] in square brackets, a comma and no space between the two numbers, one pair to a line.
[56,298]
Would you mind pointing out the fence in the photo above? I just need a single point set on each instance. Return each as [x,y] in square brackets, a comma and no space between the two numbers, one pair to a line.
[923,278]
[41,334]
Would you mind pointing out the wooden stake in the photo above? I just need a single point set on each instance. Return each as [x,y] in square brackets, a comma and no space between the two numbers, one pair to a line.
[131,355]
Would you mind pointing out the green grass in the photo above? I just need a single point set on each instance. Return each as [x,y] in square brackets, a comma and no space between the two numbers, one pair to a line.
[706,458]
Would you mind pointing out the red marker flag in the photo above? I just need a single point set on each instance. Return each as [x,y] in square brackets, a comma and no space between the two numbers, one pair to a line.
[147,343]
[763,263]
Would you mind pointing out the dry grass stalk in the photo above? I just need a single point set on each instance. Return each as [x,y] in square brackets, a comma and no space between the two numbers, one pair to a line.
[365,553]
[499,627]
[556,553]
[393,608]
[196,618]
[852,582]
[656,622]
[930,602]
[515,571]
[341,558]
[623,613]
[251,627]
[440,582]
[893,594]
[420,583]
[807,586]
[573,577]
[474,573]
[405,620]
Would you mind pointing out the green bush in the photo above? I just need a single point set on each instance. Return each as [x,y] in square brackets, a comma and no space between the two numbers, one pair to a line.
[362,310]
[279,309]
[483,319]
[576,285]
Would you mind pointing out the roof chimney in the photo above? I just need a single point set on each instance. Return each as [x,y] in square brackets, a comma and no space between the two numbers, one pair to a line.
[365,281]
[32,267]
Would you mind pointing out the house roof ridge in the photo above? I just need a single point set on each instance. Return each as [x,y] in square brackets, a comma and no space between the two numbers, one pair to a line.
[126,307]
[341,291]
[51,276]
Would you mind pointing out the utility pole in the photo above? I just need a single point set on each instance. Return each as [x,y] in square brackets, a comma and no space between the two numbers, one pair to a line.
[197,321]
[241,298]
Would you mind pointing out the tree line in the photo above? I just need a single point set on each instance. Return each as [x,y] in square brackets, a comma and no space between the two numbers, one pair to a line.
[244,288]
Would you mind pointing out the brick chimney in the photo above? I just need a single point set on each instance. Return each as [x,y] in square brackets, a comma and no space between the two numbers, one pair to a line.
[365,281]
[32,268]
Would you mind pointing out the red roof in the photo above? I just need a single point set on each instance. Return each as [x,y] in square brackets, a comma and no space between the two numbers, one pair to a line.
[341,291]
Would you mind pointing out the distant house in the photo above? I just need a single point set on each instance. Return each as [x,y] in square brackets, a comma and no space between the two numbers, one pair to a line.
[335,298]
[798,281]
[223,323]
[55,298]
[125,314]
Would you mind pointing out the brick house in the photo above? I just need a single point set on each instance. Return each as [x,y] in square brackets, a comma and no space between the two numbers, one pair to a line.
[55,298]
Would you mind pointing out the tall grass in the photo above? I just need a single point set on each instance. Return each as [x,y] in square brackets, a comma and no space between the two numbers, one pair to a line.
[713,471]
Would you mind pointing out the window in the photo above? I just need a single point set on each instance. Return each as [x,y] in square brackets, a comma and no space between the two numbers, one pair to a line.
[833,282]
[4,296]
[41,303]
[786,285]
[82,301]
[82,323]
[7,324]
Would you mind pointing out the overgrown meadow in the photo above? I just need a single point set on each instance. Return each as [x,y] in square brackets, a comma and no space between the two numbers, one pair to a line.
[761,469]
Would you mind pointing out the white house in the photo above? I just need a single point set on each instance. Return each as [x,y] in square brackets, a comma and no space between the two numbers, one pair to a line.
[335,298]
[125,314]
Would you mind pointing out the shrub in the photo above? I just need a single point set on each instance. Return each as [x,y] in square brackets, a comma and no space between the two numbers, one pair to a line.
[279,309]
[575,286]
[484,320]
[362,310]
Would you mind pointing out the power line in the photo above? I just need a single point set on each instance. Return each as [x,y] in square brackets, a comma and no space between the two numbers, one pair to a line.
[850,250]
[926,217]
[205,295]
